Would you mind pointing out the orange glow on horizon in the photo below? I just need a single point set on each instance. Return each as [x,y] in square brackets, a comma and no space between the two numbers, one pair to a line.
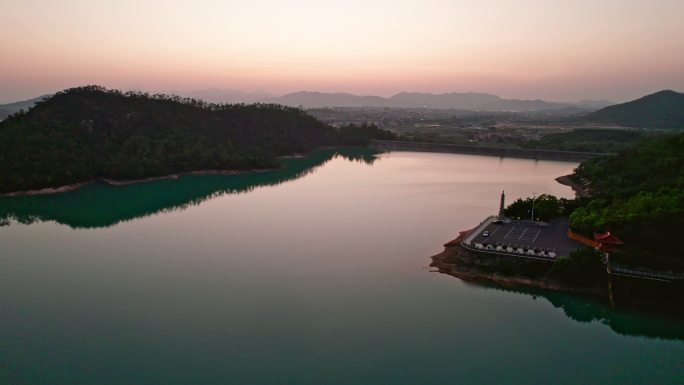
[527,49]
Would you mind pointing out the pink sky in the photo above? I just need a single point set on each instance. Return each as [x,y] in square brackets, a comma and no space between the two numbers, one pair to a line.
[555,50]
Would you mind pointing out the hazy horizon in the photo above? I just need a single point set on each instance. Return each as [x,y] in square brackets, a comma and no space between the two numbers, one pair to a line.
[529,49]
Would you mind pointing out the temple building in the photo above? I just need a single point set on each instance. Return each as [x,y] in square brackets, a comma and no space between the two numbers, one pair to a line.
[607,242]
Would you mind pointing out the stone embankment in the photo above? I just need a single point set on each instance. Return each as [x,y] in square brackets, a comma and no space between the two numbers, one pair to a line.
[507,271]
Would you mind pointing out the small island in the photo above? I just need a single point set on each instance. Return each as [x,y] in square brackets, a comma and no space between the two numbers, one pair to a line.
[620,235]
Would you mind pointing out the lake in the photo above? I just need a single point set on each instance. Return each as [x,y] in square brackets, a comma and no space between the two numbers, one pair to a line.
[312,274]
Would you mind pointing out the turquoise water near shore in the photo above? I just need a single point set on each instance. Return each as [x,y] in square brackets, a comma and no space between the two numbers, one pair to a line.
[313,274]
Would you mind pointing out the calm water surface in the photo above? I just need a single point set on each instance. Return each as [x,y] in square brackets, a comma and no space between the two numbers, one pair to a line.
[314,274]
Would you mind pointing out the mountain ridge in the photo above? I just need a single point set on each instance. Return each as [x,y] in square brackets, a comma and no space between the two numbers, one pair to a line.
[662,109]
[475,101]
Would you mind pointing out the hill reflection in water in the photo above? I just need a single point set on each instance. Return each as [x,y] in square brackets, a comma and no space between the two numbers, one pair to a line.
[621,320]
[102,205]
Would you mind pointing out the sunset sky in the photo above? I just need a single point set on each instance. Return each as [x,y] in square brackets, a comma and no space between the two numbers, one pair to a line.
[550,49]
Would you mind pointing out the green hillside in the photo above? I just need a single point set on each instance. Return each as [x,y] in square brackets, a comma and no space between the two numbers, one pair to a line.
[664,109]
[638,195]
[90,132]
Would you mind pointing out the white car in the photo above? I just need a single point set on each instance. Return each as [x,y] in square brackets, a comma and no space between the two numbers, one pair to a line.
[485,234]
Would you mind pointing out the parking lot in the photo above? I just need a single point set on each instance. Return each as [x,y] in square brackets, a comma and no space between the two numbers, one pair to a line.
[544,238]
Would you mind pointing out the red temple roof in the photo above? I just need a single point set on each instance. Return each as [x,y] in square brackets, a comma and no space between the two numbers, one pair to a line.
[608,238]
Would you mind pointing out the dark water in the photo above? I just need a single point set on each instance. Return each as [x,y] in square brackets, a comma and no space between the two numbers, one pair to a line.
[314,274]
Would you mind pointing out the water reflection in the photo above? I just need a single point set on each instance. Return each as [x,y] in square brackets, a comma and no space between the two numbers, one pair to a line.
[622,320]
[101,205]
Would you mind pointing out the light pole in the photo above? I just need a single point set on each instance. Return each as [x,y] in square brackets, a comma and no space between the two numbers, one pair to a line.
[534,196]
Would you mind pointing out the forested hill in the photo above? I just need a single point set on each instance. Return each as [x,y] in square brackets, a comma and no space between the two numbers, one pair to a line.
[89,132]
[664,109]
[639,195]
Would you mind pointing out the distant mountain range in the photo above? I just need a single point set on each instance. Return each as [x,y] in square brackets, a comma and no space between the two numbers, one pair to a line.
[222,95]
[461,101]
[8,109]
[308,99]
[664,109]
[474,101]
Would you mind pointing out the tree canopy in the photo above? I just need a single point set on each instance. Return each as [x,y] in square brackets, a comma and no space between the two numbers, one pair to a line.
[639,195]
[92,132]
[546,208]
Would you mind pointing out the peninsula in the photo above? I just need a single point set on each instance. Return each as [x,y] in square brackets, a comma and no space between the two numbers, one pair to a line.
[620,233]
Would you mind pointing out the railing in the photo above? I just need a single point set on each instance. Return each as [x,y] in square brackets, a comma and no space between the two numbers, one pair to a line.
[616,269]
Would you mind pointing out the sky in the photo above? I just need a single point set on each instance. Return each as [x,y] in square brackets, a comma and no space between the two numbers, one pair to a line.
[548,49]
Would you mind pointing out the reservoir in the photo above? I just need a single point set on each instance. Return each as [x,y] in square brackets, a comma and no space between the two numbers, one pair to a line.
[312,274]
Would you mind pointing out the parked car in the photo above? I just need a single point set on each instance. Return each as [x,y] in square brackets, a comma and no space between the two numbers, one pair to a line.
[485,234]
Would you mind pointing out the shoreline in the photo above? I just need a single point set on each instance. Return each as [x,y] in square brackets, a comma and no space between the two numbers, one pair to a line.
[510,272]
[126,182]
[504,152]
[49,190]
[469,266]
